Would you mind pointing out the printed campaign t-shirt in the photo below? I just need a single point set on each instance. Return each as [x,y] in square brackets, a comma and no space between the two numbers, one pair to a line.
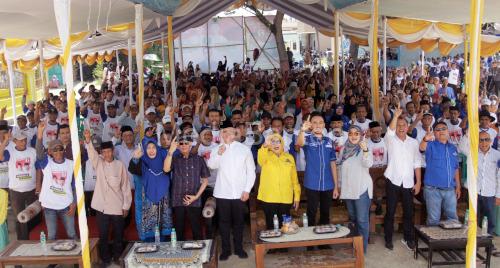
[57,189]
[379,151]
[204,151]
[63,118]
[21,169]
[49,133]
[4,170]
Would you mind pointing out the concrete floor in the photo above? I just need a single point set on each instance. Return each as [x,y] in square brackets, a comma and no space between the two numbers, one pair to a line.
[377,255]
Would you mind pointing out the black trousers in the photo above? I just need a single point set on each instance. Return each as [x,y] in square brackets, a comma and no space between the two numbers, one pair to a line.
[321,199]
[194,215]
[103,222]
[393,194]
[19,201]
[231,213]
[275,208]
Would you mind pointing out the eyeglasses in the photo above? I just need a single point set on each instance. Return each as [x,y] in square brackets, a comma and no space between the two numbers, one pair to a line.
[440,129]
[485,140]
[275,142]
[353,134]
[58,149]
[183,143]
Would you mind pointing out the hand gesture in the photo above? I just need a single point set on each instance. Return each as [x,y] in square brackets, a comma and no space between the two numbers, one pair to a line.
[267,143]
[398,112]
[363,146]
[87,135]
[189,199]
[429,135]
[261,127]
[41,128]
[4,110]
[150,132]
[173,146]
[306,125]
[138,152]
[222,149]
[244,196]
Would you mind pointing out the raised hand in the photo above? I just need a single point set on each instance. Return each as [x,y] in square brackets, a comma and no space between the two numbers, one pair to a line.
[362,145]
[222,149]
[41,128]
[138,152]
[306,125]
[173,146]
[429,136]
[87,135]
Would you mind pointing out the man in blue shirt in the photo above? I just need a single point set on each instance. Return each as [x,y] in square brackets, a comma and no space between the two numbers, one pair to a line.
[320,179]
[441,180]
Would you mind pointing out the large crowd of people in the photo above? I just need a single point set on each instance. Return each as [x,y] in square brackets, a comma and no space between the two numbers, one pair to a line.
[223,129]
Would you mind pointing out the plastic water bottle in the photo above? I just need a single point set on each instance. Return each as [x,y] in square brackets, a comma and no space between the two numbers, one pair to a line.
[173,238]
[157,234]
[43,242]
[466,218]
[484,226]
[276,223]
[305,221]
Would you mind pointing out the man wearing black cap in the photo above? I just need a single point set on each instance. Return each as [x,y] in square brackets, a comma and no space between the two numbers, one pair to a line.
[485,120]
[377,145]
[125,149]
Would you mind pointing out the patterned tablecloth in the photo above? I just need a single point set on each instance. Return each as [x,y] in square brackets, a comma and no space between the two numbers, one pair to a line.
[160,258]
[307,233]
[35,250]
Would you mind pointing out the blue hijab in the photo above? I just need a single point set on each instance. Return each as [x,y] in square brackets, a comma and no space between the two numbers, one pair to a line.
[156,182]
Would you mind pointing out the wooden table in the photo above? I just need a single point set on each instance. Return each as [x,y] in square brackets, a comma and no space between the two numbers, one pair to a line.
[356,242]
[213,261]
[6,259]
[452,249]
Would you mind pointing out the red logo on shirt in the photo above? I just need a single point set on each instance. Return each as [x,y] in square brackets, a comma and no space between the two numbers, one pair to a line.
[59,177]
[23,164]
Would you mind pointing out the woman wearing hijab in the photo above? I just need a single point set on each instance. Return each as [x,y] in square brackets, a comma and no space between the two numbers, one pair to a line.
[356,183]
[153,209]
[279,186]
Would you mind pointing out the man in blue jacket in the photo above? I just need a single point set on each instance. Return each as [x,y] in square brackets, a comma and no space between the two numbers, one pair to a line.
[441,180]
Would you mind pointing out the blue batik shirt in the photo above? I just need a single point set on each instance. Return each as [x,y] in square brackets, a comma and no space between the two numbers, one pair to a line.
[319,153]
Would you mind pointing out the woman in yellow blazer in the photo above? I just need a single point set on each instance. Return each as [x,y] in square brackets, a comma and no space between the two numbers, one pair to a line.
[279,187]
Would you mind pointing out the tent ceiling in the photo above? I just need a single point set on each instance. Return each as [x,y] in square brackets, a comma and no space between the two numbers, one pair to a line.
[34,19]
[451,11]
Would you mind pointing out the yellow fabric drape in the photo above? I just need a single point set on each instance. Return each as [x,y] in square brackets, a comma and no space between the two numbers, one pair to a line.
[26,66]
[77,58]
[61,60]
[428,45]
[50,62]
[445,48]
[90,59]
[328,33]
[489,49]
[74,38]
[407,26]
[454,29]
[358,16]
[109,56]
[14,42]
[374,71]
[144,46]
[358,41]
[120,27]
[100,58]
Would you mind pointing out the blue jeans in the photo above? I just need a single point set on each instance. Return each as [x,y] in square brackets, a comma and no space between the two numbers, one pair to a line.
[51,222]
[359,213]
[486,207]
[437,199]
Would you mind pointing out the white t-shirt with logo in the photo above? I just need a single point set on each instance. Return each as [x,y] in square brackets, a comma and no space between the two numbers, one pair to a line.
[4,171]
[453,77]
[90,177]
[29,132]
[49,133]
[57,190]
[63,118]
[364,126]
[339,142]
[379,151]
[22,173]
[455,131]
[94,122]
[110,126]
[205,151]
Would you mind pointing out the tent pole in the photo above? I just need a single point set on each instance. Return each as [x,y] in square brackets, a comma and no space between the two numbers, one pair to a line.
[336,54]
[180,49]
[374,68]
[117,54]
[385,55]
[473,74]
[171,61]
[12,91]
[422,63]
[343,59]
[140,62]
[129,48]
[81,70]
[162,36]
[208,52]
[42,64]
[62,9]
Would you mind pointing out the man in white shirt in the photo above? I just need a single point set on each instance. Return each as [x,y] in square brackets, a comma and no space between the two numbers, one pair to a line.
[403,165]
[21,161]
[235,179]
[361,120]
